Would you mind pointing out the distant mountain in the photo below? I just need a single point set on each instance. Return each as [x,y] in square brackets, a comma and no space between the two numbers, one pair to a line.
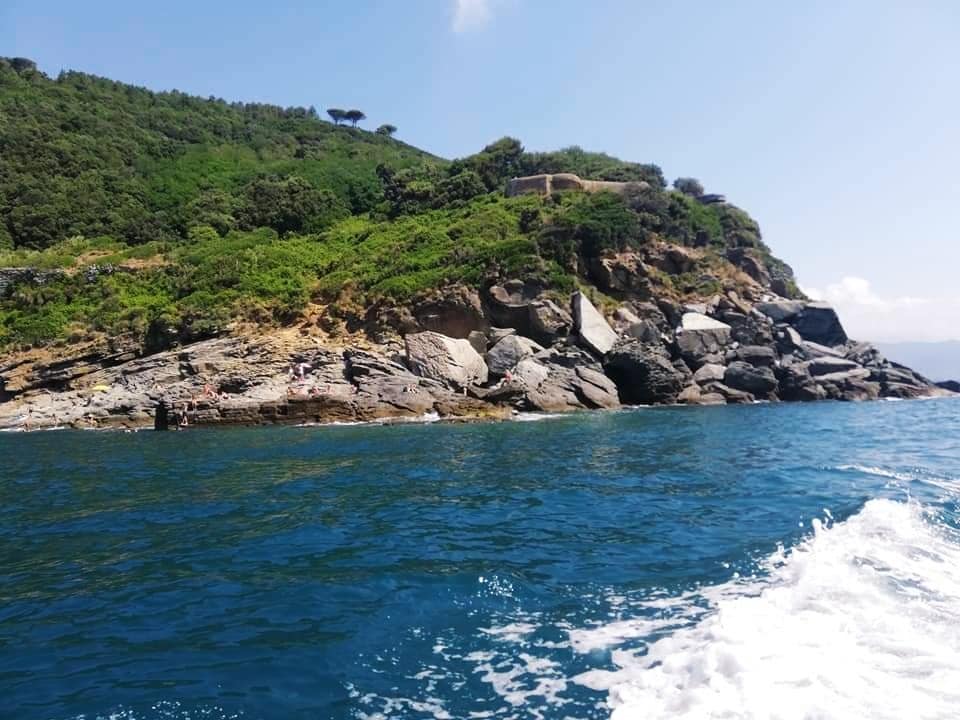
[936,360]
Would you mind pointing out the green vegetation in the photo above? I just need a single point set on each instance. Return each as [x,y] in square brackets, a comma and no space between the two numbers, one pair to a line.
[168,217]
[81,155]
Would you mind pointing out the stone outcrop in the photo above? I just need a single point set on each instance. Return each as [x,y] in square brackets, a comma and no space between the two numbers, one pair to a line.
[448,360]
[592,329]
[644,374]
[818,322]
[722,349]
[556,380]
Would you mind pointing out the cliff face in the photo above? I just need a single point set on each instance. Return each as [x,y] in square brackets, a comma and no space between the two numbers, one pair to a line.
[509,347]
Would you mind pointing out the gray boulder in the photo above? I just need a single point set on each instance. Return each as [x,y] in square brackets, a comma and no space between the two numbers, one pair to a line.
[508,352]
[643,374]
[781,310]
[645,331]
[700,335]
[818,322]
[729,394]
[710,372]
[445,359]
[758,381]
[814,350]
[795,383]
[548,321]
[558,380]
[757,355]
[827,365]
[593,330]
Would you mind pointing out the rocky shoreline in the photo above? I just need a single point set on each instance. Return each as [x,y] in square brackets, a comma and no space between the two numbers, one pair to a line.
[486,355]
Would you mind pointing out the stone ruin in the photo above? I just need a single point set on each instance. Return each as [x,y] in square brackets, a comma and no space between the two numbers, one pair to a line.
[547,184]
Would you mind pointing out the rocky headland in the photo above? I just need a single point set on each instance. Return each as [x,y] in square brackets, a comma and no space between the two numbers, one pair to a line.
[468,354]
[218,262]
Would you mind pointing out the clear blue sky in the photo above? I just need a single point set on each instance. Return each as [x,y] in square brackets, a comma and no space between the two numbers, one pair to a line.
[836,124]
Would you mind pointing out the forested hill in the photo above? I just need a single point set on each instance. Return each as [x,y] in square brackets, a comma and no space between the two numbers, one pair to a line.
[166,218]
[82,155]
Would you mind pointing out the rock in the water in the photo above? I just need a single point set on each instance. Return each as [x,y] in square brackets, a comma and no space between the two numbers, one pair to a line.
[508,352]
[818,322]
[728,393]
[643,374]
[558,380]
[795,383]
[755,380]
[593,329]
[710,372]
[445,359]
[690,395]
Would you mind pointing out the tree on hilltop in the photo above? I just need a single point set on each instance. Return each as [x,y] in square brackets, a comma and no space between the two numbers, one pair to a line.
[337,115]
[688,186]
[355,116]
[387,130]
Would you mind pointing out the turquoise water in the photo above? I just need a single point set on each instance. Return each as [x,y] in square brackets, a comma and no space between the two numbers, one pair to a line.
[755,561]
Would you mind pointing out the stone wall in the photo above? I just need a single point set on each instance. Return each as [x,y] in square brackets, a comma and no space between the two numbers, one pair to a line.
[546,184]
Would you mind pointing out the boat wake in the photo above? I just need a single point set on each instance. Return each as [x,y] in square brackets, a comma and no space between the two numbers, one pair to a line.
[860,620]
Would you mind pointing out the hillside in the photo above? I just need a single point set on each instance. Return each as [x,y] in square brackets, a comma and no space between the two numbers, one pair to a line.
[139,228]
[175,215]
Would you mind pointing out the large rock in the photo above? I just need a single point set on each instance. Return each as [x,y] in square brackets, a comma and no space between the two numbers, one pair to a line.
[700,335]
[818,322]
[643,374]
[593,330]
[795,383]
[557,379]
[728,393]
[508,305]
[757,355]
[828,365]
[780,310]
[710,372]
[758,381]
[448,360]
[508,352]
[548,321]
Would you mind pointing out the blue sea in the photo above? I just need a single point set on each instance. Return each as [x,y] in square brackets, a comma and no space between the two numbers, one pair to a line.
[766,561]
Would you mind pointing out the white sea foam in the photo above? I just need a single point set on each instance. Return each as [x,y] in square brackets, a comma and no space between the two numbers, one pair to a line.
[535,416]
[862,620]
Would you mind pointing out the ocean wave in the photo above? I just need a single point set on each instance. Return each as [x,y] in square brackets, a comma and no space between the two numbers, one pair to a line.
[860,620]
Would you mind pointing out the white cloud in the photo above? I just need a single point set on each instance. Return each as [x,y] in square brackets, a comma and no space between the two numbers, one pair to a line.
[470,14]
[868,316]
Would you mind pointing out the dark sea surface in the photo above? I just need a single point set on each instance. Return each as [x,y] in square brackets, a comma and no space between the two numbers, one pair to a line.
[788,561]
